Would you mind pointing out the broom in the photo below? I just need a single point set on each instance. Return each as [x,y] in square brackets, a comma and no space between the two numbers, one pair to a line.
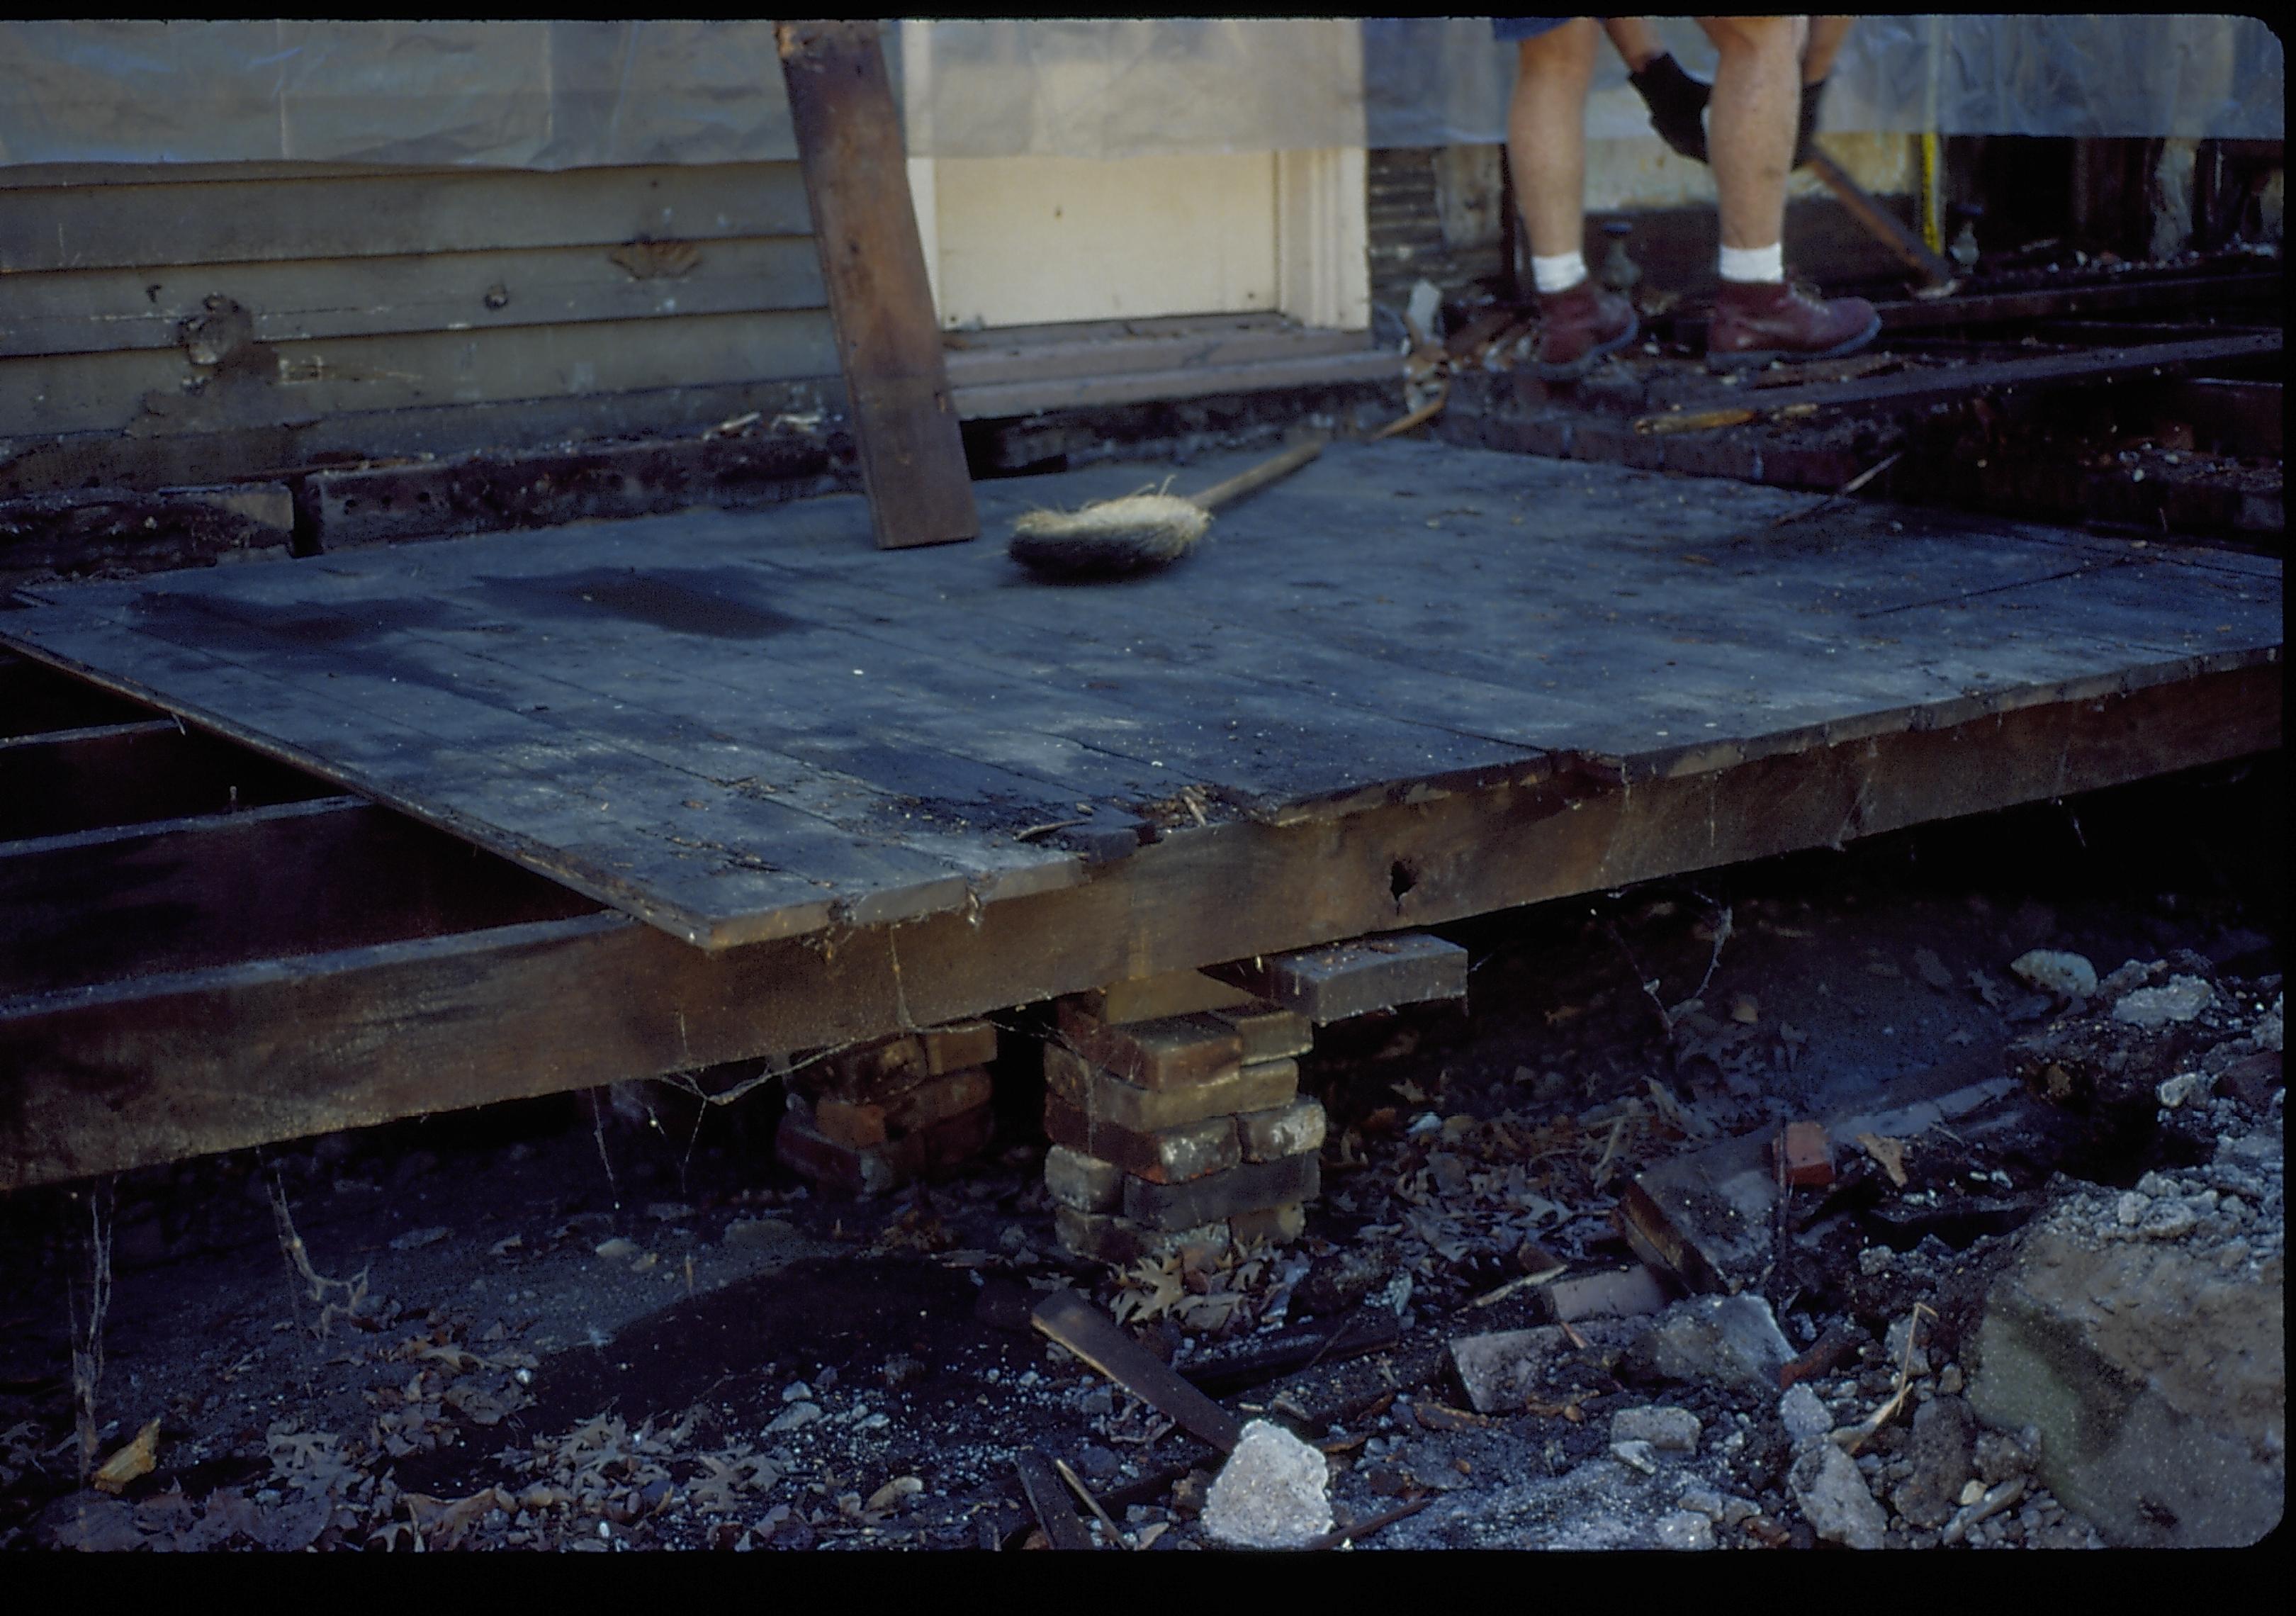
[1139,531]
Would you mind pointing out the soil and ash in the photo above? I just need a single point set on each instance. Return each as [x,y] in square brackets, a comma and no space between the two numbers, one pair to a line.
[609,1322]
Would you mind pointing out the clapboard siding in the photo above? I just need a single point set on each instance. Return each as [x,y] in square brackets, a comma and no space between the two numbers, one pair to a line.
[100,310]
[83,392]
[232,302]
[465,210]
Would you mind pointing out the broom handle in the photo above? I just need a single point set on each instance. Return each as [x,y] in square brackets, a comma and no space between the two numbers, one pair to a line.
[1266,472]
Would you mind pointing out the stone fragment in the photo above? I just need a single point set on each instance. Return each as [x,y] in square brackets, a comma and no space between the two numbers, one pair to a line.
[1685,1529]
[1501,1369]
[1274,1492]
[1834,1497]
[2068,976]
[2155,1376]
[1894,1340]
[1941,1450]
[1259,1085]
[760,1232]
[1083,1182]
[1252,1186]
[1731,1340]
[1621,1294]
[1634,1455]
[1285,1131]
[2173,1091]
[1669,1428]
[2180,998]
[1805,1415]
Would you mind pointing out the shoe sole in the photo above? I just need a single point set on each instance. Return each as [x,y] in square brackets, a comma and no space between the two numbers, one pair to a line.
[1757,357]
[1601,350]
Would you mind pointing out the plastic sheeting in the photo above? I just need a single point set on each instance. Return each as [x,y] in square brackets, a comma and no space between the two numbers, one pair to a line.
[572,94]
[1444,80]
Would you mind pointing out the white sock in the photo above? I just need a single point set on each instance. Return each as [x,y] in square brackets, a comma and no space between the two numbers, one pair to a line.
[1560,272]
[1752,263]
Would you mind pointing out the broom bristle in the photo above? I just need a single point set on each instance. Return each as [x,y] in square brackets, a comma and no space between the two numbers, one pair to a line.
[1110,535]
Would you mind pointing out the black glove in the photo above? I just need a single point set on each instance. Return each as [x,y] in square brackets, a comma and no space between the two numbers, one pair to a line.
[1675,101]
[1811,95]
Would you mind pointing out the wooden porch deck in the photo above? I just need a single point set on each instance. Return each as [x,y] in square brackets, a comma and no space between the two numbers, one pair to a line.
[864,789]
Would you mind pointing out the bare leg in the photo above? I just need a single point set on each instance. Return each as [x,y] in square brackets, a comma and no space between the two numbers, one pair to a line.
[1750,123]
[1825,36]
[1546,136]
[1634,40]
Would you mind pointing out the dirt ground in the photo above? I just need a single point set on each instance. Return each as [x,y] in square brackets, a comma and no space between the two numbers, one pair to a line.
[611,1321]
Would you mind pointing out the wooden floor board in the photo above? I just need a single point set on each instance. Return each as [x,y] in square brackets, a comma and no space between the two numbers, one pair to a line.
[742,725]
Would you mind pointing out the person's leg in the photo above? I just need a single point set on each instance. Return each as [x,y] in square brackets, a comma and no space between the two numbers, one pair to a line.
[1580,321]
[1750,128]
[1750,124]
[1546,136]
[1635,39]
[1825,36]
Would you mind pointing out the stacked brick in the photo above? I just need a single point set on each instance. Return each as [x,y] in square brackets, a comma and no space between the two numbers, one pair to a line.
[869,1120]
[1179,1130]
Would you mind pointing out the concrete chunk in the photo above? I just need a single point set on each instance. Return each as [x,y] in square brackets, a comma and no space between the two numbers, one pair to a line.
[1727,1340]
[1274,1492]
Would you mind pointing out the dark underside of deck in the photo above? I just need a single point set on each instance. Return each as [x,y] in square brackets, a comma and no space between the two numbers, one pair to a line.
[850,790]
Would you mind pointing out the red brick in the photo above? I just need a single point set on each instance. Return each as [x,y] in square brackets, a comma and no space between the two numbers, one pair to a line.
[1804,1156]
[936,1098]
[1253,1187]
[850,1123]
[958,1045]
[1166,1053]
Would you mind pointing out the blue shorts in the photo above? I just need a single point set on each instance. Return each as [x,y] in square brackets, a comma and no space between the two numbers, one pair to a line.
[1511,28]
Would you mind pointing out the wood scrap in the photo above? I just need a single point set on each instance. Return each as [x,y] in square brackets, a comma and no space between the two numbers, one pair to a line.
[1083,1330]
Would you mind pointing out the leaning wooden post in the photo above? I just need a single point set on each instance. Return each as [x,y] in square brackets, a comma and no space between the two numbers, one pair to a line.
[848,142]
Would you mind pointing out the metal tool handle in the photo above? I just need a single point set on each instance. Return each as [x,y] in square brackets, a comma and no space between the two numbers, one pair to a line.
[1266,472]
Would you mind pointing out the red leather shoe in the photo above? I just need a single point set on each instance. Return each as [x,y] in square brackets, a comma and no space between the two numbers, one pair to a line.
[1758,322]
[1578,327]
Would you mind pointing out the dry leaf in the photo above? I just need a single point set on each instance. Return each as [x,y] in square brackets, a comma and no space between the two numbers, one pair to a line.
[134,1459]
[1889,1152]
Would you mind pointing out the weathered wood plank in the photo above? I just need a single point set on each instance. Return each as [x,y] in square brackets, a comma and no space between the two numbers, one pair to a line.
[977,401]
[103,310]
[185,894]
[872,263]
[395,211]
[133,1073]
[985,360]
[33,698]
[145,391]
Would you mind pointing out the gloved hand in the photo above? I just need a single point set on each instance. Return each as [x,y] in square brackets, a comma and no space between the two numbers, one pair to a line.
[1811,95]
[1675,101]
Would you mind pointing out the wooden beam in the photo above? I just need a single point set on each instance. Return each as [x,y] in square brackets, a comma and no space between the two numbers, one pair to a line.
[2055,302]
[101,1079]
[873,266]
[63,781]
[1883,225]
[191,893]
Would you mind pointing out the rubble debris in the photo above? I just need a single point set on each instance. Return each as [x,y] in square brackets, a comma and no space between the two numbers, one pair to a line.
[1805,1415]
[1614,1295]
[1724,1340]
[1670,1429]
[1834,1499]
[1940,1454]
[2180,998]
[1274,1492]
[2068,976]
[1347,980]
